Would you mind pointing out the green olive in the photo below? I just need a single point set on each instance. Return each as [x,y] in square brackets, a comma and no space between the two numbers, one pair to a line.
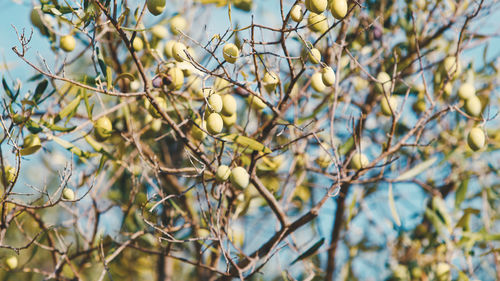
[473,106]
[10,173]
[229,105]
[35,18]
[317,82]
[156,7]
[215,102]
[168,48]
[317,23]
[359,161]
[31,145]
[328,76]
[230,52]
[156,125]
[338,8]
[420,106]
[103,128]
[239,177]
[229,120]
[316,6]
[386,110]
[196,132]
[137,44]
[270,80]
[214,123]
[176,77]
[223,173]
[177,24]
[256,102]
[67,43]
[466,91]
[452,67]
[476,139]
[11,262]
[178,52]
[385,82]
[159,31]
[314,56]
[323,161]
[296,13]
[68,194]
[448,89]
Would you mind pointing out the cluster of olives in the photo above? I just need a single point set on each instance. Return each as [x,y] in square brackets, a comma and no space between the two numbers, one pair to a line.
[317,21]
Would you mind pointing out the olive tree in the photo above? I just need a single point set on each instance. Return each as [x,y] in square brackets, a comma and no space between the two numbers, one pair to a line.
[252,140]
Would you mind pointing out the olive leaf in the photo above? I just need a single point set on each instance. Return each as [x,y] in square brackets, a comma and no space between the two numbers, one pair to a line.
[246,142]
[419,168]
[392,206]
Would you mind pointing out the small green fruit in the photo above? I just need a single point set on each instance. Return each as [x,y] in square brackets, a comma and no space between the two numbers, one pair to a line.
[229,105]
[137,44]
[317,82]
[338,8]
[270,80]
[317,23]
[229,120]
[156,7]
[162,104]
[159,31]
[156,125]
[31,145]
[385,80]
[239,177]
[215,102]
[103,128]
[448,88]
[35,18]
[473,106]
[230,52]
[323,161]
[68,194]
[168,48]
[360,84]
[476,139]
[386,110]
[316,6]
[214,123]
[176,77]
[222,85]
[196,132]
[296,13]
[420,106]
[11,262]
[178,51]
[256,102]
[67,43]
[359,161]
[223,173]
[452,67]
[314,56]
[466,91]
[10,173]
[177,24]
[328,76]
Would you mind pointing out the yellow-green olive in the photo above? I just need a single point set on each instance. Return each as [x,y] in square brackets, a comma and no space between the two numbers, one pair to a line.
[452,67]
[256,102]
[68,194]
[448,88]
[178,51]
[359,161]
[214,123]
[230,52]
[176,78]
[476,139]
[11,262]
[239,177]
[328,76]
[137,44]
[177,24]
[229,120]
[156,7]
[466,91]
[473,106]
[196,132]
[67,43]
[317,22]
[384,104]
[162,104]
[314,56]
[215,102]
[385,82]
[229,105]
[316,6]
[338,8]
[10,173]
[31,145]
[296,13]
[159,31]
[270,80]
[103,128]
[169,48]
[317,82]
[222,174]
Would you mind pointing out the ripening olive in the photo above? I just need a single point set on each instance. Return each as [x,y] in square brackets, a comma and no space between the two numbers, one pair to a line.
[473,106]
[466,91]
[317,23]
[338,8]
[239,177]
[137,44]
[159,31]
[296,13]
[229,120]
[229,105]
[67,43]
[68,194]
[270,80]
[256,102]
[156,7]
[314,56]
[215,102]
[328,76]
[178,52]
[214,123]
[385,80]
[386,110]
[168,48]
[476,139]
[317,82]
[223,173]
[177,24]
[176,77]
[230,52]
[196,132]
[103,128]
[11,262]
[316,6]
[359,160]
[31,145]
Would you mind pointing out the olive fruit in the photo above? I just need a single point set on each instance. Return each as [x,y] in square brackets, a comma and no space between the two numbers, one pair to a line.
[419,106]
[178,52]
[103,128]
[11,262]
[296,13]
[222,174]
[176,77]
[316,6]
[137,44]
[196,132]
[314,56]
[35,18]
[338,8]
[230,52]
[442,271]
[317,23]
[270,80]
[466,91]
[323,161]
[215,102]
[452,67]
[10,173]
[448,88]
[162,104]
[256,102]
[31,145]
[476,139]
[68,194]
[229,105]
[239,177]
[214,123]
[385,80]
[168,48]
[222,85]
[317,82]
[229,120]
[159,31]
[328,76]
[473,106]
[393,102]
[156,7]
[358,161]
[156,125]
[67,43]
[177,24]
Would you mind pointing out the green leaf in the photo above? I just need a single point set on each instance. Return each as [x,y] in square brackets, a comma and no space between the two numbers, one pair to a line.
[346,146]
[126,76]
[71,107]
[33,127]
[419,168]
[392,206]
[461,192]
[246,142]
[40,88]
[109,77]
[57,128]
[69,146]
[310,251]
[8,91]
